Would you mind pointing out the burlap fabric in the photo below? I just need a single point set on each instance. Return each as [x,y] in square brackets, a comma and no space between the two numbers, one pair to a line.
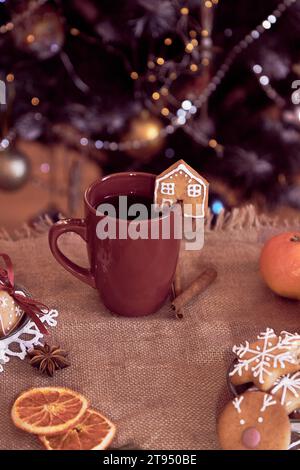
[161,380]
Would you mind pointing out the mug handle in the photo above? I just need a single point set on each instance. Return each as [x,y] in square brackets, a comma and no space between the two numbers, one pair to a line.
[70,225]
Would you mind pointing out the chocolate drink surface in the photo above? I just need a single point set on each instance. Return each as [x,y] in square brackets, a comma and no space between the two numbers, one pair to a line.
[122,203]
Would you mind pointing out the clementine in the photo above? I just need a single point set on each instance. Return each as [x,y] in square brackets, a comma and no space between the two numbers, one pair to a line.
[280,264]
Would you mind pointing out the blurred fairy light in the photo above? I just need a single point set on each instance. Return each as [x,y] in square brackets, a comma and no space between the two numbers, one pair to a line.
[45,167]
[255,34]
[99,144]
[266,24]
[184,11]
[169,153]
[35,101]
[168,41]
[264,80]
[10,77]
[181,112]
[257,68]
[186,105]
[4,143]
[217,207]
[84,141]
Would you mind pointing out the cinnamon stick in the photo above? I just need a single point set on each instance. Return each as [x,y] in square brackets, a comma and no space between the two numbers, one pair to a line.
[198,286]
[176,288]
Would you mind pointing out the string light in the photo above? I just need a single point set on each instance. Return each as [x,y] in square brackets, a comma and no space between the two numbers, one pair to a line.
[205,61]
[155,96]
[152,78]
[35,101]
[134,75]
[74,31]
[30,38]
[184,11]
[180,120]
[168,41]
[213,143]
[193,33]
[189,47]
[208,4]
[264,81]
[164,91]
[165,112]
[160,61]
[217,207]
[84,141]
[10,77]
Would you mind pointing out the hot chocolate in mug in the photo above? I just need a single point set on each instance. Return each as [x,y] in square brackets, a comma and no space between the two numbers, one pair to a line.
[133,275]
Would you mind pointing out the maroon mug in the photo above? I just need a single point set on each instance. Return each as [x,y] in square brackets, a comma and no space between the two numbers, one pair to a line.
[133,276]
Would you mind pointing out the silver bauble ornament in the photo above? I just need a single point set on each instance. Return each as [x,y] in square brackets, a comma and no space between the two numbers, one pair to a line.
[14,169]
[41,34]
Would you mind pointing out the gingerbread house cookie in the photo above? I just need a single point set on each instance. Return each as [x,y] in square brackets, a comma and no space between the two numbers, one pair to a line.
[181,183]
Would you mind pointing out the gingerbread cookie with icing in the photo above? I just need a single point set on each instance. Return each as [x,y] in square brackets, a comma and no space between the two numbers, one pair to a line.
[181,183]
[254,421]
[10,313]
[287,390]
[265,360]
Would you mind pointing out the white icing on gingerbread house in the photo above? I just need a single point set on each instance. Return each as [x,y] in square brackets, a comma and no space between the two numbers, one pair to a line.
[181,183]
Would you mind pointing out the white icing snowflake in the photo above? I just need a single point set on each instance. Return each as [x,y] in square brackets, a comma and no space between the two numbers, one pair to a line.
[18,311]
[3,302]
[288,383]
[267,356]
[20,342]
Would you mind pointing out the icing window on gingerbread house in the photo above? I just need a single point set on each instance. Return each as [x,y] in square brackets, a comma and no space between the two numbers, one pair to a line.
[168,188]
[194,190]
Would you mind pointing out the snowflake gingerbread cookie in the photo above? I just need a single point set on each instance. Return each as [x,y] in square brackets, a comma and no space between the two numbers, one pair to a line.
[254,421]
[287,390]
[10,314]
[265,360]
[181,183]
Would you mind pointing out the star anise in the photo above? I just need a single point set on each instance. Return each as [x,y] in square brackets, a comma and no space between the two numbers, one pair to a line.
[48,358]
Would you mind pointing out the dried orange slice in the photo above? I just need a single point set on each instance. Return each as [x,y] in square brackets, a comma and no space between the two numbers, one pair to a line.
[92,432]
[48,410]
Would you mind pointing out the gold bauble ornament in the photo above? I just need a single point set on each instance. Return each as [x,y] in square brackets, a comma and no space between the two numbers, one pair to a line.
[14,169]
[144,137]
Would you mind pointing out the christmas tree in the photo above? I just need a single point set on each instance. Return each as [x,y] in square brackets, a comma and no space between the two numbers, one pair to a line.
[138,84]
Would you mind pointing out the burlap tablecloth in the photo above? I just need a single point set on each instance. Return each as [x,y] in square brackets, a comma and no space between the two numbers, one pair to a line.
[161,380]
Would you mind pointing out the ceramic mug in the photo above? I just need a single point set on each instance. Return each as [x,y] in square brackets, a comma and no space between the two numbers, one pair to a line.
[133,276]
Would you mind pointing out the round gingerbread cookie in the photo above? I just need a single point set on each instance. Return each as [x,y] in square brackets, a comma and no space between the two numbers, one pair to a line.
[10,314]
[254,421]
